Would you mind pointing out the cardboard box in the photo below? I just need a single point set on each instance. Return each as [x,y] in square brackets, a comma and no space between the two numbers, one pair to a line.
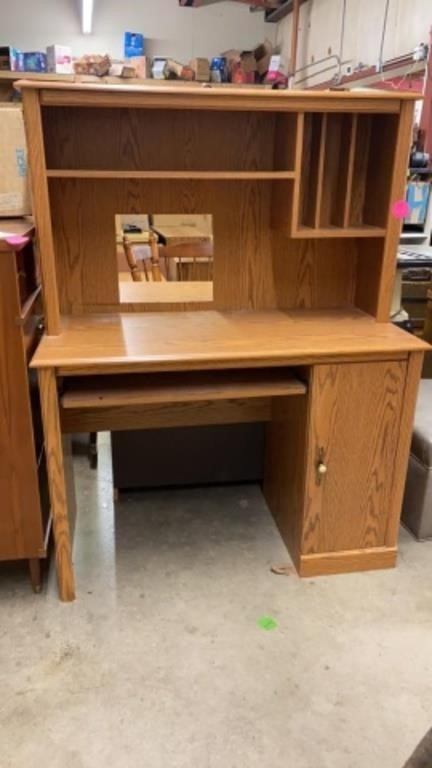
[159,69]
[133,44]
[34,61]
[121,69]
[175,68]
[11,59]
[201,69]
[248,62]
[14,188]
[92,64]
[263,54]
[59,59]
[142,66]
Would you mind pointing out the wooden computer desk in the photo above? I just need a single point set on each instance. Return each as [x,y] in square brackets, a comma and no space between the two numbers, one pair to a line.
[296,334]
[295,370]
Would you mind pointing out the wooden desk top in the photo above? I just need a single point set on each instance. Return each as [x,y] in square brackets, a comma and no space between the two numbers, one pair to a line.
[180,234]
[209,339]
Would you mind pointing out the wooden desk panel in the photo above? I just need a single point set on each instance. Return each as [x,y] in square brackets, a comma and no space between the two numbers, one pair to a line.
[166,292]
[186,340]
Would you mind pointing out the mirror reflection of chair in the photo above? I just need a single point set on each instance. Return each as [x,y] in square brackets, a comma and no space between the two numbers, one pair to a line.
[140,247]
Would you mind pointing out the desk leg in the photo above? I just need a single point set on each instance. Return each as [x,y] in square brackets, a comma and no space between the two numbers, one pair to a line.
[57,483]
[35,570]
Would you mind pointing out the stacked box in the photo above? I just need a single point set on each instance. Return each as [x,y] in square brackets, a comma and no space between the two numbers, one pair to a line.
[14,188]
[59,59]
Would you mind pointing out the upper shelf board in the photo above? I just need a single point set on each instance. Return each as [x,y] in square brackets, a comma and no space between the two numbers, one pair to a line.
[213,97]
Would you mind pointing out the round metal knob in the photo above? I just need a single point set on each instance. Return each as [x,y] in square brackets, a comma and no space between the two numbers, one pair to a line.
[321,468]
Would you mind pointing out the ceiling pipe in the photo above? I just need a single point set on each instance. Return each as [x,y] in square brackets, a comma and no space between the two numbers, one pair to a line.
[342,37]
[294,42]
[285,9]
[381,50]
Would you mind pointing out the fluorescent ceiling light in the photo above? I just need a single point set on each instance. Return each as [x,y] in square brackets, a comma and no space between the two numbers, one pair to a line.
[87,16]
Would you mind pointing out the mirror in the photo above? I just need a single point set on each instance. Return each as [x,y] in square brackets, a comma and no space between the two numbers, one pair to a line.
[164,257]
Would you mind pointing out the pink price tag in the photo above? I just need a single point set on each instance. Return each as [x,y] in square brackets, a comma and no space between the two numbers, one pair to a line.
[17,240]
[400,209]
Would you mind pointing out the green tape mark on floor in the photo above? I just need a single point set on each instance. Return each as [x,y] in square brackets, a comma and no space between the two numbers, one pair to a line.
[266,622]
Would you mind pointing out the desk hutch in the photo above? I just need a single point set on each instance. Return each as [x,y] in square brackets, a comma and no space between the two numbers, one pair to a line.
[296,333]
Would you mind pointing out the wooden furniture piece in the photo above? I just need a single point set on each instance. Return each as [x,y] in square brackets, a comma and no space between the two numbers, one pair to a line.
[146,237]
[186,246]
[128,243]
[24,506]
[296,333]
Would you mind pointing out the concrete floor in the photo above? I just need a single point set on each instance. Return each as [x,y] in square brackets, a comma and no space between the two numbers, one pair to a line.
[160,662]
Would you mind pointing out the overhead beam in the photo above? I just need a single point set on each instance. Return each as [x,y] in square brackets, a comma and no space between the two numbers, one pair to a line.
[285,9]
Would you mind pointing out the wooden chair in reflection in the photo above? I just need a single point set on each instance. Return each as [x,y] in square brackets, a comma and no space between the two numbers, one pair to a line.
[139,244]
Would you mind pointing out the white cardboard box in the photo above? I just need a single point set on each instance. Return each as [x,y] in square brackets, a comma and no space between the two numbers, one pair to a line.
[14,186]
[59,59]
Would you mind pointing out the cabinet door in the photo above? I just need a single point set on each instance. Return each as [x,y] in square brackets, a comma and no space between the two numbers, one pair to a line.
[354,430]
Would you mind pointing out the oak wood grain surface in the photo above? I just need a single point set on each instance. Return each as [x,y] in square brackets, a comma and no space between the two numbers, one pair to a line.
[213,98]
[208,140]
[163,415]
[86,249]
[325,564]
[166,292]
[219,92]
[299,186]
[41,208]
[285,467]
[254,267]
[363,230]
[355,419]
[397,191]
[172,175]
[57,484]
[180,339]
[21,534]
[180,387]
[360,166]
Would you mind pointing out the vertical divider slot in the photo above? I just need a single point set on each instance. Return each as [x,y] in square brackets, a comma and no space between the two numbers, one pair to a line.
[322,163]
[312,152]
[350,171]
[338,171]
[360,170]
[285,141]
